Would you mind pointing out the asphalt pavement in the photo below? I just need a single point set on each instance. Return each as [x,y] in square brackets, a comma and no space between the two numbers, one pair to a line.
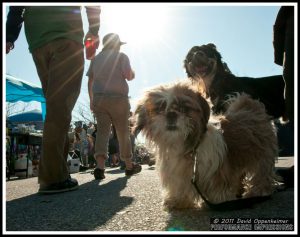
[122,205]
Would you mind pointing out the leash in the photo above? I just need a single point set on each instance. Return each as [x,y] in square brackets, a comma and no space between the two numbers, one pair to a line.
[194,181]
[229,205]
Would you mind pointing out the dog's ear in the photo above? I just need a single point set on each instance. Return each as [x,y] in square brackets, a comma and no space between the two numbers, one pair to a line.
[140,119]
[205,108]
[218,56]
[187,69]
[188,59]
[213,46]
[226,68]
[192,140]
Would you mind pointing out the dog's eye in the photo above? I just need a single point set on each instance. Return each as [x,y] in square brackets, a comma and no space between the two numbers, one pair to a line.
[184,109]
[160,107]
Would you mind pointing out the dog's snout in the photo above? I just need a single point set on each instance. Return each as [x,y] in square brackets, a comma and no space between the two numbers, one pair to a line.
[171,120]
[171,116]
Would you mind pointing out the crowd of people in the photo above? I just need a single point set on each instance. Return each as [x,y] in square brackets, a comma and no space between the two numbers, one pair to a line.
[82,144]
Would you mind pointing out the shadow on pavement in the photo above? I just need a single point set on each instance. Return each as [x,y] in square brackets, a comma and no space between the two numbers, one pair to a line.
[90,206]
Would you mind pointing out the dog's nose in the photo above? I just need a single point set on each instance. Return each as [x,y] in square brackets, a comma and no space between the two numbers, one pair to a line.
[171,120]
[171,116]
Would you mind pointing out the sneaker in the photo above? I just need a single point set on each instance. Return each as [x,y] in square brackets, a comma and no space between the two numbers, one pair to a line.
[151,162]
[83,168]
[67,185]
[136,168]
[98,173]
[122,166]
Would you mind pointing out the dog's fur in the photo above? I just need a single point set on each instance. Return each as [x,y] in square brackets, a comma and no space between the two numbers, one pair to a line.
[233,161]
[204,65]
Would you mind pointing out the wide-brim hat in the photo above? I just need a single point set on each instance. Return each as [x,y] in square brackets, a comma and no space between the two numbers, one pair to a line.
[112,39]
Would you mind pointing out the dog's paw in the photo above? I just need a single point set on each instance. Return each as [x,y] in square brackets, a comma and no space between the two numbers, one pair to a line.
[177,204]
[258,193]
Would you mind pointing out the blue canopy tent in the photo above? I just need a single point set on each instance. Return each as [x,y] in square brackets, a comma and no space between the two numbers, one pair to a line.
[20,90]
[33,117]
[29,116]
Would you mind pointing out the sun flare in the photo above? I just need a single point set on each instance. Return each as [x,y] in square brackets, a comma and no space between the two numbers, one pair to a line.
[136,24]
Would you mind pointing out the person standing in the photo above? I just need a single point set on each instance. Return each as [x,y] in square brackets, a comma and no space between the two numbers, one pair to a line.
[55,38]
[84,151]
[91,128]
[108,92]
[283,44]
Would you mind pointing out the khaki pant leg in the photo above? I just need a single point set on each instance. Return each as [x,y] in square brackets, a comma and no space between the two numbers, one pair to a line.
[120,118]
[60,68]
[110,110]
[103,127]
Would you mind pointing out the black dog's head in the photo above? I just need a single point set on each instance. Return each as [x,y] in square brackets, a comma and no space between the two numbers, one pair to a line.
[203,61]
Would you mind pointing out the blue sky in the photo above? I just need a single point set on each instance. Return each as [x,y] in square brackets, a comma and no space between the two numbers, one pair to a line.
[159,36]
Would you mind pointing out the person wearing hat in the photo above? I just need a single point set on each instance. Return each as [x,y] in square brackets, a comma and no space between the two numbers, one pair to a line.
[108,90]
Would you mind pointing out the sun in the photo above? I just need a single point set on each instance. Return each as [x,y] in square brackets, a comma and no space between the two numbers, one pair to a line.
[137,24]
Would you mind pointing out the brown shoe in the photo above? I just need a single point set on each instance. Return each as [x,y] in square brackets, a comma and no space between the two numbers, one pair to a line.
[136,168]
[98,173]
[68,185]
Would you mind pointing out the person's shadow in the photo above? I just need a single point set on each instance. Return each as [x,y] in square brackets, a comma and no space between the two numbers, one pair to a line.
[85,209]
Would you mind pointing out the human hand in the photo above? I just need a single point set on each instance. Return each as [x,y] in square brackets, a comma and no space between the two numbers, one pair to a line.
[94,37]
[9,47]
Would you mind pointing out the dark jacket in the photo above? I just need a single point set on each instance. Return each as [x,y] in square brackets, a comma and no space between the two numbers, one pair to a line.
[14,23]
[279,32]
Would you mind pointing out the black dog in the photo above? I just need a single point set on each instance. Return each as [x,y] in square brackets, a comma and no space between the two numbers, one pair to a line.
[204,65]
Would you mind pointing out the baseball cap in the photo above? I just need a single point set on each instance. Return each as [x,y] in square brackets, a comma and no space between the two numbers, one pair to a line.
[112,39]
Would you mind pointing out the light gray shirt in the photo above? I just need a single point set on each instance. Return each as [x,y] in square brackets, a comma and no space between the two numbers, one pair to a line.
[109,69]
